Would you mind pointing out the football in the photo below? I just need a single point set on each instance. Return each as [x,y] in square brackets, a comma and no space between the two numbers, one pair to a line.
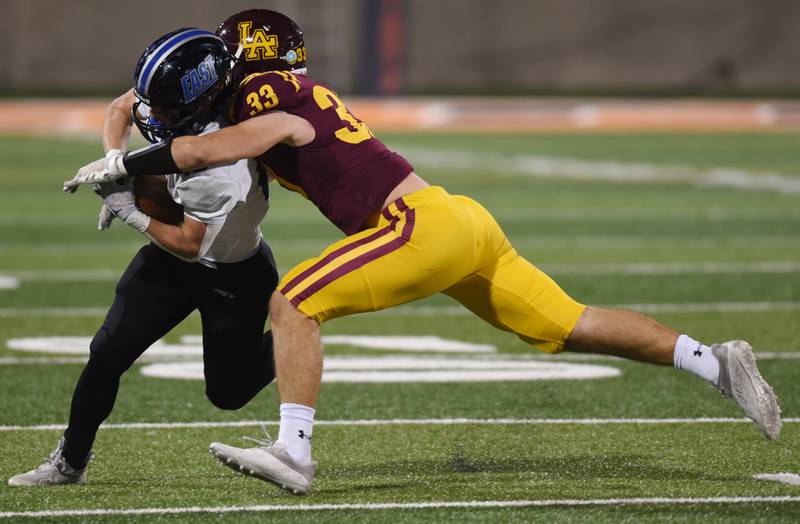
[153,199]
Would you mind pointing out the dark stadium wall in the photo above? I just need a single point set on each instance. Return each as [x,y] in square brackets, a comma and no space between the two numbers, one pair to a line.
[449,46]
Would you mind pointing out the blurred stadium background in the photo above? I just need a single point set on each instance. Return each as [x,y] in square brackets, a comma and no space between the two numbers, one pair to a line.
[644,152]
[442,47]
[397,48]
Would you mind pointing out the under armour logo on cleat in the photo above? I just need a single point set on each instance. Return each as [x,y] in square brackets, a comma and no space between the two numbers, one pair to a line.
[302,434]
[697,351]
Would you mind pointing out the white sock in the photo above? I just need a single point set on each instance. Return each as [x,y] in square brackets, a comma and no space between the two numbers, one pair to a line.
[694,357]
[297,422]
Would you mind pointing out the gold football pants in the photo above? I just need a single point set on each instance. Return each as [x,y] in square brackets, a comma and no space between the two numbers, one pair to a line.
[429,242]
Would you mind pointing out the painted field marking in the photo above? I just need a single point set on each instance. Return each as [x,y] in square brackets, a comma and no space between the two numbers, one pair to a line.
[295,216]
[361,369]
[10,279]
[399,369]
[673,242]
[596,213]
[23,312]
[387,342]
[721,307]
[14,361]
[8,282]
[565,168]
[693,307]
[579,357]
[790,479]
[763,239]
[64,275]
[455,310]
[672,268]
[414,422]
[445,504]
[193,345]
[72,247]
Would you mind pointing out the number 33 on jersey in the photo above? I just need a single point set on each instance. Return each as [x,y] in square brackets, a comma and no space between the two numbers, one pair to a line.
[265,97]
[345,171]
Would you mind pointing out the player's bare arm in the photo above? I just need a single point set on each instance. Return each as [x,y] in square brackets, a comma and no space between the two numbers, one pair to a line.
[247,139]
[184,239]
[118,122]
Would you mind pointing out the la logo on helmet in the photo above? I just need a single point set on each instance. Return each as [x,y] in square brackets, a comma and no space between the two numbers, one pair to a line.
[258,45]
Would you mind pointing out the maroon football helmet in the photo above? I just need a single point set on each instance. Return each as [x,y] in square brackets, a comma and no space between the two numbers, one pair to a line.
[263,40]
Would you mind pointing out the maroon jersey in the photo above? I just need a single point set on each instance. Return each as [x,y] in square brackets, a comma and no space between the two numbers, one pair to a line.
[345,170]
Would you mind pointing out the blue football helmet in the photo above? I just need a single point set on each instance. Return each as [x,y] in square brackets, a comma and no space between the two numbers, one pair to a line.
[185,77]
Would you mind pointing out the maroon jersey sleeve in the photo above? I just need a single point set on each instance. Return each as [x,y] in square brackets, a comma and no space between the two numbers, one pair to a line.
[345,171]
[260,92]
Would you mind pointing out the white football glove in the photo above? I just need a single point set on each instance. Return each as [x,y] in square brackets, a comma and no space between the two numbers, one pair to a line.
[118,198]
[104,218]
[102,170]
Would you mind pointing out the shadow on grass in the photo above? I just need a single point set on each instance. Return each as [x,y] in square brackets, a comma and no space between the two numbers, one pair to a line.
[574,467]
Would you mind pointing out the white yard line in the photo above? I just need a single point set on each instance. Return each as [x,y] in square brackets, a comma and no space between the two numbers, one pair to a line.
[565,168]
[790,479]
[706,307]
[412,422]
[596,213]
[445,504]
[46,361]
[692,307]
[671,268]
[21,312]
[585,268]
[455,310]
[190,358]
[671,242]
[8,282]
[63,275]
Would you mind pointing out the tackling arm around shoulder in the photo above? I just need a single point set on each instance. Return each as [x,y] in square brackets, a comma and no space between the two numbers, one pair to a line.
[247,139]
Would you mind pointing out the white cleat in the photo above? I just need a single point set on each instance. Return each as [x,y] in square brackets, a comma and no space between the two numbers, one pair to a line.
[270,462]
[53,471]
[739,379]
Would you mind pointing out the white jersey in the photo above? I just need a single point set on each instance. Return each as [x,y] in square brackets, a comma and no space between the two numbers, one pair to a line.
[229,199]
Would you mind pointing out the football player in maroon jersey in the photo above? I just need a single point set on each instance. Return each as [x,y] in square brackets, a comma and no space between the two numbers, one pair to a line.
[405,240]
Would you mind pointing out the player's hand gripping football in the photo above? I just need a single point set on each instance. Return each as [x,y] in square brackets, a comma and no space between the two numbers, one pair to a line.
[119,200]
[102,170]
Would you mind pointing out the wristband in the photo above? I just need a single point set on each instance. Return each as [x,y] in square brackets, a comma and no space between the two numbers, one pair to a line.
[138,221]
[153,160]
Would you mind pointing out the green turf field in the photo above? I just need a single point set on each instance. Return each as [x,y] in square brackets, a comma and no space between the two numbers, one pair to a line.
[673,236]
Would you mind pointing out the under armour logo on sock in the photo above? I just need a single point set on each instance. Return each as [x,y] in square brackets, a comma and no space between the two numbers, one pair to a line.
[302,434]
[697,351]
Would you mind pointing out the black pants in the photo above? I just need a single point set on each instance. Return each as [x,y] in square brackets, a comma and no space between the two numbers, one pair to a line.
[156,292]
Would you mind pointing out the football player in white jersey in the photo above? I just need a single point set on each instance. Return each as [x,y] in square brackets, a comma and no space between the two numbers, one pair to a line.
[214,261]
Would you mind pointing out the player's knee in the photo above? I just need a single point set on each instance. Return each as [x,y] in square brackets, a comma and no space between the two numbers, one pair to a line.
[282,312]
[229,398]
[226,401]
[104,366]
[109,353]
